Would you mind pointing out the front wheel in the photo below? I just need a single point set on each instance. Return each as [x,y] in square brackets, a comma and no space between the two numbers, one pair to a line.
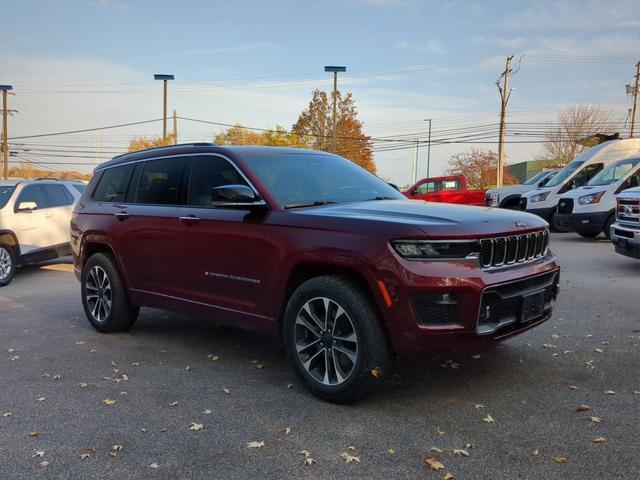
[589,234]
[104,298]
[7,265]
[334,340]
[607,226]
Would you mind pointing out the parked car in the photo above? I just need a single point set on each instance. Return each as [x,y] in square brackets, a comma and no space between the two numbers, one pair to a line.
[591,209]
[450,189]
[34,222]
[544,201]
[625,232]
[509,196]
[309,247]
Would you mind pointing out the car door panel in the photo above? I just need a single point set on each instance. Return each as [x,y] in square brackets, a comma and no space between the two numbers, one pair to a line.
[32,232]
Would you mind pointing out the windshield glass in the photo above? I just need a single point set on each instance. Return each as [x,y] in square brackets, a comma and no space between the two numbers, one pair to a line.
[614,172]
[563,174]
[536,178]
[5,193]
[302,179]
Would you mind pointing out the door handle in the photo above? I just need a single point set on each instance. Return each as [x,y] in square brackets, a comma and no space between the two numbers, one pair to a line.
[122,216]
[189,220]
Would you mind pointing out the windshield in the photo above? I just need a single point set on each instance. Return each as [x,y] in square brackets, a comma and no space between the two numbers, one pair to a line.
[5,193]
[614,172]
[536,178]
[303,179]
[563,174]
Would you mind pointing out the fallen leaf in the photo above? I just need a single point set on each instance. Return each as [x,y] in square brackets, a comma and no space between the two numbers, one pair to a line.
[42,399]
[255,444]
[435,450]
[488,419]
[116,448]
[226,390]
[595,419]
[583,408]
[548,345]
[83,385]
[460,452]
[448,476]
[439,431]
[535,452]
[80,342]
[173,404]
[610,392]
[207,412]
[44,464]
[187,368]
[38,454]
[87,453]
[33,434]
[376,372]
[285,431]
[7,414]
[155,466]
[135,364]
[259,366]
[478,406]
[108,401]
[559,459]
[213,358]
[555,337]
[306,453]
[573,387]
[468,446]
[637,392]
[476,357]
[56,377]
[434,464]
[391,451]
[599,440]
[308,461]
[348,458]
[598,350]
[289,385]
[196,427]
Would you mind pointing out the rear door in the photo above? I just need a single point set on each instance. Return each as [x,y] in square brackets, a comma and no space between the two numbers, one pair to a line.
[58,214]
[33,227]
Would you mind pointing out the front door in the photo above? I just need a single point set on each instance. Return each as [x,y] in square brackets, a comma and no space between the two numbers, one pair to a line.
[33,219]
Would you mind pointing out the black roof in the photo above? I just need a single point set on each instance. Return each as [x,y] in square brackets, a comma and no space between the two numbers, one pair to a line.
[191,148]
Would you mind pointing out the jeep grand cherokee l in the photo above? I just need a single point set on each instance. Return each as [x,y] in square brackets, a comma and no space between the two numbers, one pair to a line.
[310,247]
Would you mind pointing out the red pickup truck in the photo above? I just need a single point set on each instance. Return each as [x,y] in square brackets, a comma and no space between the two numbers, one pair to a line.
[450,189]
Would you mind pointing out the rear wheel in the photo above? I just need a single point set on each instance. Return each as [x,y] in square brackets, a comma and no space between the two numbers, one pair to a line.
[334,340]
[104,298]
[7,264]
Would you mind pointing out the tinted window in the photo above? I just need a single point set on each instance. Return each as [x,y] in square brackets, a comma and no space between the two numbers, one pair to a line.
[586,174]
[614,172]
[80,187]
[159,181]
[33,193]
[5,193]
[57,195]
[536,178]
[563,174]
[208,172]
[113,184]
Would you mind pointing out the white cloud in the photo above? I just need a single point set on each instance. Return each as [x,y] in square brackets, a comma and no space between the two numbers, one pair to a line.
[217,50]
[431,46]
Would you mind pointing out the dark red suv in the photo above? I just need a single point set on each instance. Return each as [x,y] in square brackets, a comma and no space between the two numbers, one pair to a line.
[310,247]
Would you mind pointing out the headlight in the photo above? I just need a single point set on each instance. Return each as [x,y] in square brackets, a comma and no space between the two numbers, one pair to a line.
[592,198]
[541,197]
[431,249]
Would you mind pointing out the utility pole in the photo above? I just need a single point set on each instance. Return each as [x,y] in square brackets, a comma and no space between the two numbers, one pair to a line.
[335,71]
[429,148]
[635,101]
[5,131]
[414,173]
[164,77]
[175,128]
[505,94]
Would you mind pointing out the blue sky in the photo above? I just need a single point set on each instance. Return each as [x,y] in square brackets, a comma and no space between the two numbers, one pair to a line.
[85,64]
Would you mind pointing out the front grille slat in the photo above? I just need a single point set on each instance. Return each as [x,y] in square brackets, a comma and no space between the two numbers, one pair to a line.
[499,251]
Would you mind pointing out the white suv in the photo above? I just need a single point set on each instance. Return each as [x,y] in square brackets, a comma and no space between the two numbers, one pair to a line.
[34,221]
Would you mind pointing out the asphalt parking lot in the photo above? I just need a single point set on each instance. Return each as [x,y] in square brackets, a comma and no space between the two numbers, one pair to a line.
[67,392]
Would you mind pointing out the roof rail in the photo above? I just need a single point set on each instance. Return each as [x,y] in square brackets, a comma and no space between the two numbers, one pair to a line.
[194,144]
[46,178]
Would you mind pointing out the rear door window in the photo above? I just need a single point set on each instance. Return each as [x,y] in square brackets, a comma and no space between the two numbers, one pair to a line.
[33,193]
[208,172]
[57,195]
[160,181]
[113,185]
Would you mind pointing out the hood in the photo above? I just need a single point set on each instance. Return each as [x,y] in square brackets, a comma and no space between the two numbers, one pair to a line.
[433,219]
[511,189]
[586,190]
[536,191]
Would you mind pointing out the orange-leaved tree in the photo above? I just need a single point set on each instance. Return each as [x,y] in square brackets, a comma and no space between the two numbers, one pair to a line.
[141,143]
[479,167]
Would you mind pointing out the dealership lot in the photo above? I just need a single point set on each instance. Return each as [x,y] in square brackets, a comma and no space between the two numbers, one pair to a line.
[79,393]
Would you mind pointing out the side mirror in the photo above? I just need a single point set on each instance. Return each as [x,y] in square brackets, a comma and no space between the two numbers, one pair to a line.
[234,195]
[27,206]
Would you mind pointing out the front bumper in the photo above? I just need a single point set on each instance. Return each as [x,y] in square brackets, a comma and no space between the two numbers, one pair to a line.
[581,222]
[626,240]
[546,213]
[440,307]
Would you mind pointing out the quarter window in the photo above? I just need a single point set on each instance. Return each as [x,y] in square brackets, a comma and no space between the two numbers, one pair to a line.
[208,172]
[159,181]
[113,184]
[32,193]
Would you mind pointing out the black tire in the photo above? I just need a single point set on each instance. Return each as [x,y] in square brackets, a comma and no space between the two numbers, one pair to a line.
[607,226]
[7,253]
[589,234]
[121,314]
[375,361]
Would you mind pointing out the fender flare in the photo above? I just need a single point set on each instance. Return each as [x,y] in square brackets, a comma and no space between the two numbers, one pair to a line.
[509,198]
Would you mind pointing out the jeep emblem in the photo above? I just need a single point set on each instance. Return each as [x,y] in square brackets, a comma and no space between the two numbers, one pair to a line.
[521,225]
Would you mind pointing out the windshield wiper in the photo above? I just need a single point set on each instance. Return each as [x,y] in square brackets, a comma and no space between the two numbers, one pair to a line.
[381,198]
[309,204]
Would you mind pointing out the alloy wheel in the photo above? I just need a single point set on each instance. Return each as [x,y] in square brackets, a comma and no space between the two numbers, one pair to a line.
[326,341]
[5,263]
[98,294]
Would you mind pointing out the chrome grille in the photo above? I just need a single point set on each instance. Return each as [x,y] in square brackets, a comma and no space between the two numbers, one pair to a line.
[628,210]
[498,251]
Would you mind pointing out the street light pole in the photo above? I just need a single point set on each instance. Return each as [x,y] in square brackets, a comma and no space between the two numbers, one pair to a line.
[164,78]
[5,132]
[335,71]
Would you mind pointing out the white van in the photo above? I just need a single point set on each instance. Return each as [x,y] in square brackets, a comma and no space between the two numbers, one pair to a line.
[509,196]
[591,209]
[544,201]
